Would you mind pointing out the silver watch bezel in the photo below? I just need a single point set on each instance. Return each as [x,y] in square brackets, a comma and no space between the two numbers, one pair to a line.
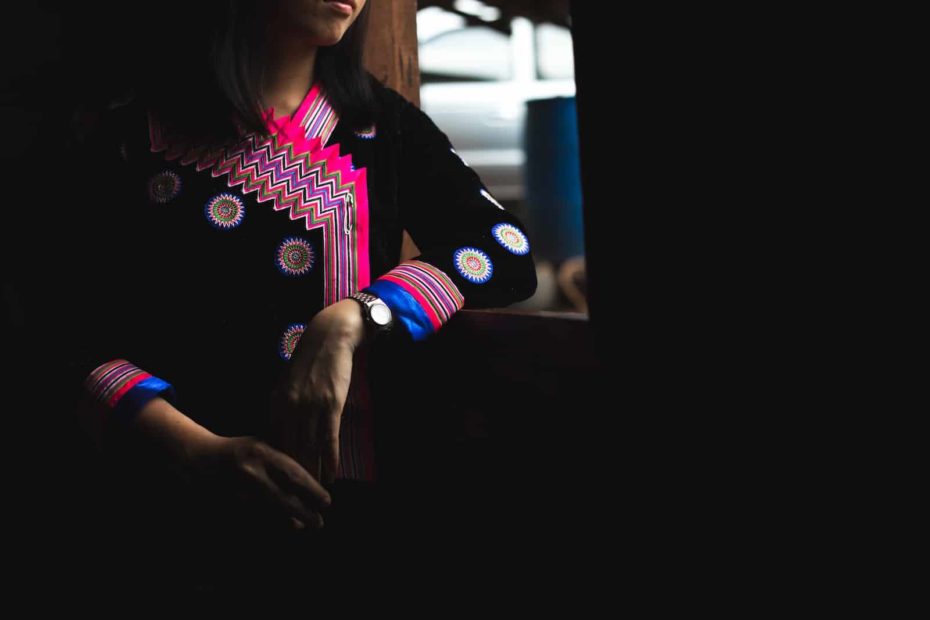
[369,301]
[379,303]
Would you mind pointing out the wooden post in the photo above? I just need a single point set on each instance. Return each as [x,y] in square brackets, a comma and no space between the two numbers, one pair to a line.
[391,55]
[391,51]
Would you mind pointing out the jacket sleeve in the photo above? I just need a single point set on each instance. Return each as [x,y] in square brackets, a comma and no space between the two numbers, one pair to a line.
[474,253]
[105,333]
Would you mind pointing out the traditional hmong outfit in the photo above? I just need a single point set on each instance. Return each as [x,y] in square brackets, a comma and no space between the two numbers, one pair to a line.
[203,264]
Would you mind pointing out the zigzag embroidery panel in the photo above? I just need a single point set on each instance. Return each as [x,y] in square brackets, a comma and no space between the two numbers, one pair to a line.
[301,178]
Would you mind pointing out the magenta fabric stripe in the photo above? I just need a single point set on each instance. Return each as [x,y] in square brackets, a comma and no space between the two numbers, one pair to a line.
[320,120]
[315,114]
[425,304]
[445,295]
[105,376]
[303,178]
[106,380]
[432,288]
[317,185]
[111,381]
[356,433]
[439,278]
[406,305]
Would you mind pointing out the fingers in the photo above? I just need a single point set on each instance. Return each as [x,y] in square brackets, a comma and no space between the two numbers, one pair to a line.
[297,524]
[287,503]
[281,482]
[293,479]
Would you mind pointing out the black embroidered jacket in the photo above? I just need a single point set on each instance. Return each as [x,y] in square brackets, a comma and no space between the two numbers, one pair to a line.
[201,265]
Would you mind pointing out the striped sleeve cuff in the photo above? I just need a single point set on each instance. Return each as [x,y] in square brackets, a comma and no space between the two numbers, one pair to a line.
[122,388]
[420,295]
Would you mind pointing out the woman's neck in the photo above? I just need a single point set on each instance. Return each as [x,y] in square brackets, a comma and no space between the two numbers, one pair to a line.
[288,74]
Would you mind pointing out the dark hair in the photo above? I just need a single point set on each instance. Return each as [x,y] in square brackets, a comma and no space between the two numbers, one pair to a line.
[212,63]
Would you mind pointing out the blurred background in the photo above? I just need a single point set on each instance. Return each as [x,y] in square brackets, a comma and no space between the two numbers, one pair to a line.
[498,78]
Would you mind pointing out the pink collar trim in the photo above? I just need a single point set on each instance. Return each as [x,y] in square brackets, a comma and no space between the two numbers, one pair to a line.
[310,126]
[275,124]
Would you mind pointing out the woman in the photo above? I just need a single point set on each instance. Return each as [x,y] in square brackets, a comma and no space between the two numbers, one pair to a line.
[246,254]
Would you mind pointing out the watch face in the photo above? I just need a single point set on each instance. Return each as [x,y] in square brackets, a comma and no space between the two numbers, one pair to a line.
[380,314]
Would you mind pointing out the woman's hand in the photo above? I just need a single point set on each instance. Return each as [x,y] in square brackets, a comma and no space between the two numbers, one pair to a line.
[242,467]
[307,404]
[251,470]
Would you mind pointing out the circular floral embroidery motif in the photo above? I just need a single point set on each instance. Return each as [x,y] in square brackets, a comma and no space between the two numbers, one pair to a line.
[295,257]
[164,186]
[473,264]
[224,211]
[487,195]
[368,133]
[289,340]
[511,237]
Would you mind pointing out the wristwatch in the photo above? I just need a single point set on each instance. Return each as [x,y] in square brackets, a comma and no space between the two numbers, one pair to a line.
[378,317]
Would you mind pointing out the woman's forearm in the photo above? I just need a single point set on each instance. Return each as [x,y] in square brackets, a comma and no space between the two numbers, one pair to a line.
[179,438]
[236,464]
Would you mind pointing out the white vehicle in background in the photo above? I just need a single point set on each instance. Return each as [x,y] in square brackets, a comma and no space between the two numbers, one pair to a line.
[475,82]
